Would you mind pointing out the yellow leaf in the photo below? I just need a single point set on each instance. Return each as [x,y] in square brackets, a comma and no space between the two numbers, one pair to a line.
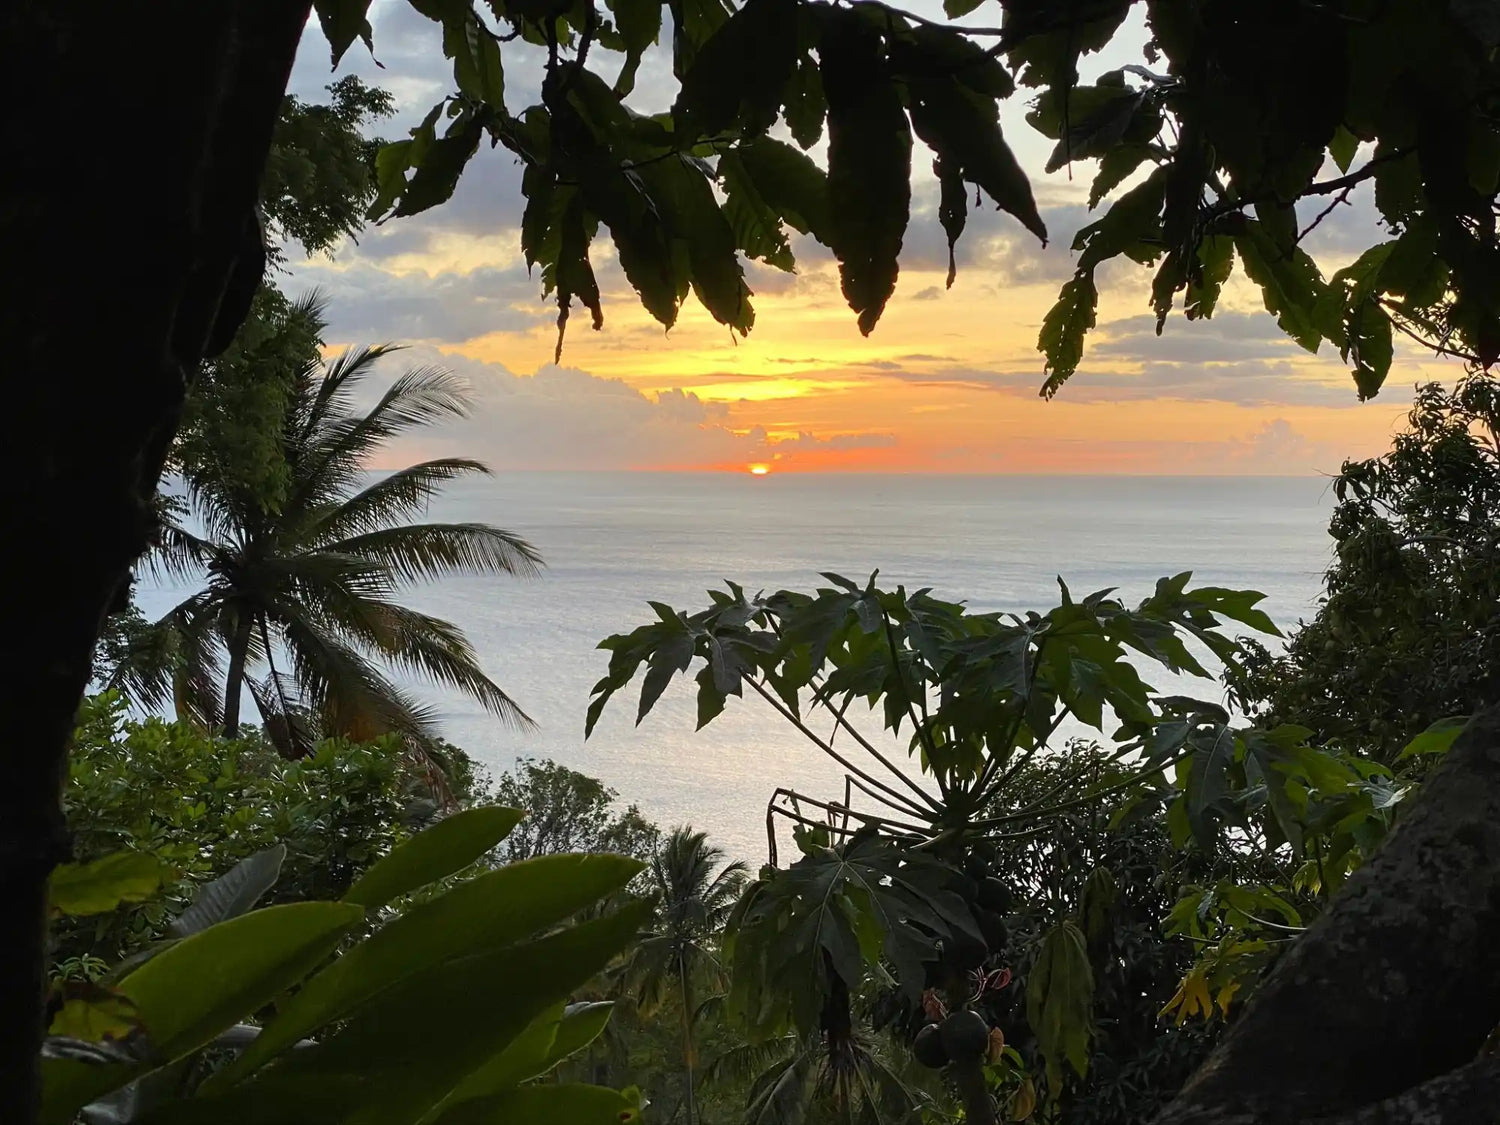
[96,1017]
[1023,1101]
[997,1044]
[1226,994]
[1191,998]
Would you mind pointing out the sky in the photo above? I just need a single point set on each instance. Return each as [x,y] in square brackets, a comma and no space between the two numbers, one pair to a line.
[946,383]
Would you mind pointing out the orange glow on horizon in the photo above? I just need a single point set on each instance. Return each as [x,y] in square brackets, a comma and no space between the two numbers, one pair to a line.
[759,470]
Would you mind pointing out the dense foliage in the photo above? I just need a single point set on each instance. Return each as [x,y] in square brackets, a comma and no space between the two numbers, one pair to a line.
[1408,630]
[199,805]
[1209,154]
[568,811]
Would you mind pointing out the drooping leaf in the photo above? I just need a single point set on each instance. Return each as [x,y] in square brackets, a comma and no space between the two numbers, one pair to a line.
[440,165]
[448,846]
[639,25]
[953,210]
[1064,327]
[344,21]
[1290,283]
[804,105]
[1060,1001]
[869,164]
[739,74]
[963,127]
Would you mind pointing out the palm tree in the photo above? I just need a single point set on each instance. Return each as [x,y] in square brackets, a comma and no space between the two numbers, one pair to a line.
[310,571]
[695,892]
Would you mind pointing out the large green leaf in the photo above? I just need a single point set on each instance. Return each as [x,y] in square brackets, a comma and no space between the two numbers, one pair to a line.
[842,909]
[869,164]
[402,1054]
[484,913]
[438,851]
[963,127]
[560,1031]
[196,988]
[102,885]
[232,893]
[440,166]
[532,1105]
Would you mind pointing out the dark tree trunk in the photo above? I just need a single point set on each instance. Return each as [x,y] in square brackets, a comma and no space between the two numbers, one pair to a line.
[234,682]
[1380,1013]
[135,139]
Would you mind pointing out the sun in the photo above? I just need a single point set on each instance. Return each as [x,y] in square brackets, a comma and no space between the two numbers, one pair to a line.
[759,470]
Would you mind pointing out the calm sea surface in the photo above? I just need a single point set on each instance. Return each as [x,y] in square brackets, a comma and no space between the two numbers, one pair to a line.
[612,541]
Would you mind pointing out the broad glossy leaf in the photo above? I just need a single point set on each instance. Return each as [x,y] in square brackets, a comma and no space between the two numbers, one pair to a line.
[448,846]
[558,1032]
[484,913]
[577,1105]
[190,992]
[421,1037]
[104,884]
[1436,739]
[232,893]
[869,164]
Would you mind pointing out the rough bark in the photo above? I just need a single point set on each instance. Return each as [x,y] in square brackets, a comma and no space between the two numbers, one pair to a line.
[135,139]
[1378,1013]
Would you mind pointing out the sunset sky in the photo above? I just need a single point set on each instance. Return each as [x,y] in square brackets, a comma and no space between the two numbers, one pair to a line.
[946,383]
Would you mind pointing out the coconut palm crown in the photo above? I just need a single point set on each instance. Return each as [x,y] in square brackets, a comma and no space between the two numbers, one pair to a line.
[300,600]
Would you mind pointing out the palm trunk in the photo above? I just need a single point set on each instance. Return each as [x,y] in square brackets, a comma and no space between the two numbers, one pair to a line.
[133,267]
[688,1047]
[234,682]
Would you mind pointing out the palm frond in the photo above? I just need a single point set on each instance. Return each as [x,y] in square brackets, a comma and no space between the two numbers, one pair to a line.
[438,650]
[426,551]
[745,1062]
[176,659]
[396,497]
[178,554]
[783,1093]
[333,450]
[347,691]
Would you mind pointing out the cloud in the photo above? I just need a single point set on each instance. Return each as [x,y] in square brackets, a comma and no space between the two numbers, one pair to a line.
[369,304]
[564,418]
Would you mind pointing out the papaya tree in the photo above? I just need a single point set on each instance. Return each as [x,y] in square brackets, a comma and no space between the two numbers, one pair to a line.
[897,884]
[1213,150]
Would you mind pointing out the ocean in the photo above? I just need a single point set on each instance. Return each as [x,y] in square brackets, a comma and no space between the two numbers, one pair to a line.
[613,540]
